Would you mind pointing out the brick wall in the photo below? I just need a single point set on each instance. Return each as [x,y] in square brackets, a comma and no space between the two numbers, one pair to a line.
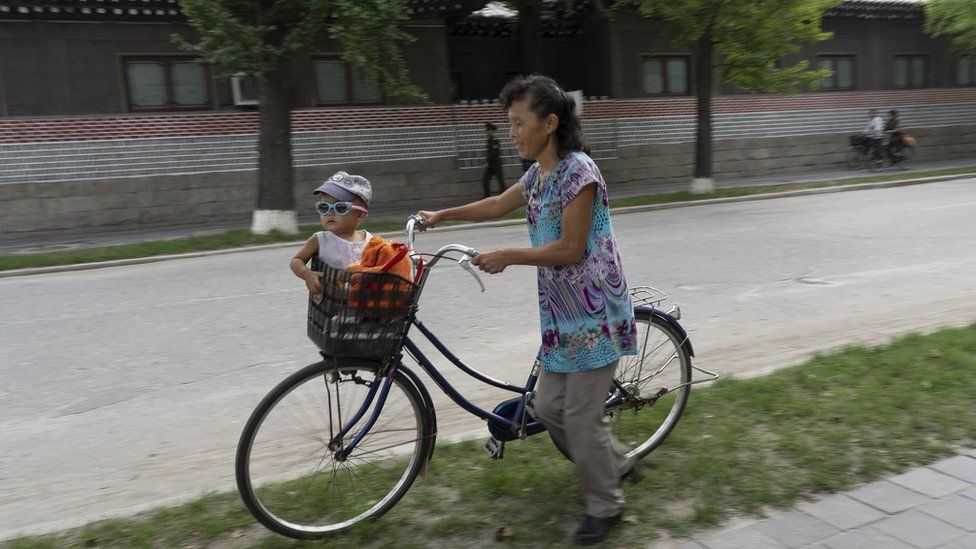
[119,172]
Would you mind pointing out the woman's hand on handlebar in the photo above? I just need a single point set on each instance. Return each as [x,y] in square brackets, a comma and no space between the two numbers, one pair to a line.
[491,262]
[429,219]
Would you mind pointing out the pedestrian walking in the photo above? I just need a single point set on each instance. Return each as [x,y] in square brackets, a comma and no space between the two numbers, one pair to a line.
[492,161]
[586,317]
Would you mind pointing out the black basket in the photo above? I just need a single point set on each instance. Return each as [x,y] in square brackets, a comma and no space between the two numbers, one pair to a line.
[360,314]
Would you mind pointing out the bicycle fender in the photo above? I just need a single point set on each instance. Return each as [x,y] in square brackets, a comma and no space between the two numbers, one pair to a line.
[428,404]
[670,321]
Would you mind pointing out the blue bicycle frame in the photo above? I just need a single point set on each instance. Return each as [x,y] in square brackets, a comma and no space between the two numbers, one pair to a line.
[518,425]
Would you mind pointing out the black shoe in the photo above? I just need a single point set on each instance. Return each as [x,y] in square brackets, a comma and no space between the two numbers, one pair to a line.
[633,475]
[594,529]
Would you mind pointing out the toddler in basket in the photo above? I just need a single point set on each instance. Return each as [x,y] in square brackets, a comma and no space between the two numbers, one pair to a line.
[342,203]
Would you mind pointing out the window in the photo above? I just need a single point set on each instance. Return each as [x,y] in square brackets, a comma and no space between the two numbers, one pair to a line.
[336,83]
[966,71]
[841,69]
[166,83]
[910,71]
[665,75]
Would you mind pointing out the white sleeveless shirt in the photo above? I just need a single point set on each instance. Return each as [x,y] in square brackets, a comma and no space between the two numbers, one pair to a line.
[338,252]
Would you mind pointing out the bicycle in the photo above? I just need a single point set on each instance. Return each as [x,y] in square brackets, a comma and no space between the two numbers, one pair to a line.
[342,440]
[876,154]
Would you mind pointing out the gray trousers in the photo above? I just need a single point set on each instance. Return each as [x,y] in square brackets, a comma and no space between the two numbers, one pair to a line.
[571,408]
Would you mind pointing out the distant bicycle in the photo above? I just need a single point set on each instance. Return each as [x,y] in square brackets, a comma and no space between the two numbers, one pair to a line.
[342,440]
[875,154]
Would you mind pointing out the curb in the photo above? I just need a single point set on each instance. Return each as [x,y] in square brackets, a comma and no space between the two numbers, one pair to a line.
[504,223]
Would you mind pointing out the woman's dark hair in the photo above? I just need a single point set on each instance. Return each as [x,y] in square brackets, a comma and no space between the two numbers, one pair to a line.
[545,98]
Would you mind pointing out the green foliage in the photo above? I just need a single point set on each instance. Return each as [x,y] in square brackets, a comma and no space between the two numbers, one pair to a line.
[955,20]
[750,36]
[257,37]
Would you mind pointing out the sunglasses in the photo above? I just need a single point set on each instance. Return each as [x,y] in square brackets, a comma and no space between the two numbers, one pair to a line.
[340,208]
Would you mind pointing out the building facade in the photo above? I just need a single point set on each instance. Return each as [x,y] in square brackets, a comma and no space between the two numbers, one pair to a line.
[101,111]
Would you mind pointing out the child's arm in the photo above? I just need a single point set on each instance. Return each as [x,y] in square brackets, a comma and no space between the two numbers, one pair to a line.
[300,260]
[489,208]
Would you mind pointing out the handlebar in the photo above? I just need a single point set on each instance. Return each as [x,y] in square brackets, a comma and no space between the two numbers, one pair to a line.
[466,251]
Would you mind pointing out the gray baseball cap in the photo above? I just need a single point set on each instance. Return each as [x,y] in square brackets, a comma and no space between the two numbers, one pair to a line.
[344,186]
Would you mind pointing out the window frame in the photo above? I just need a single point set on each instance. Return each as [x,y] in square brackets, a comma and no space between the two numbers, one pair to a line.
[833,58]
[664,58]
[955,73]
[925,57]
[350,99]
[167,61]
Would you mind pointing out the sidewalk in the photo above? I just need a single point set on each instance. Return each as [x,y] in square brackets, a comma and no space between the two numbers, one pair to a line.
[933,506]
[76,241]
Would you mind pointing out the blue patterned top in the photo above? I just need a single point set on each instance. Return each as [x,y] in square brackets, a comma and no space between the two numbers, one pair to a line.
[586,316]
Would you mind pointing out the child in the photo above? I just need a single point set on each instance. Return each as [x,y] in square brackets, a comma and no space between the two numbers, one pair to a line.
[342,205]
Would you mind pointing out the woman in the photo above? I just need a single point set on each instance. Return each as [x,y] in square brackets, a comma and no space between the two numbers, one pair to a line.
[586,316]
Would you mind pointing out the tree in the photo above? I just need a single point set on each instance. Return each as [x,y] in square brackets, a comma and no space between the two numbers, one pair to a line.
[749,38]
[261,37]
[955,20]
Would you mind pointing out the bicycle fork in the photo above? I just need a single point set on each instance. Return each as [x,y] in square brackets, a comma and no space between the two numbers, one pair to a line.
[379,389]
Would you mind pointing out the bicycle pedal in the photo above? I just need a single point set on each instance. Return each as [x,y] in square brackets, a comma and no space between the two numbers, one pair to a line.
[495,448]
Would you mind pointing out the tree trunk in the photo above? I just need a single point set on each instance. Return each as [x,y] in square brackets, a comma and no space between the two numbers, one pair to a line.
[276,204]
[530,34]
[704,50]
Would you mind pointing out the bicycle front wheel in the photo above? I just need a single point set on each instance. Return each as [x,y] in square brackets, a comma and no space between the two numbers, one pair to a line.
[650,388]
[294,469]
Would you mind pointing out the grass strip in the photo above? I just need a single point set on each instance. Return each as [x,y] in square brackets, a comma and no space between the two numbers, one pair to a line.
[743,447]
[236,238]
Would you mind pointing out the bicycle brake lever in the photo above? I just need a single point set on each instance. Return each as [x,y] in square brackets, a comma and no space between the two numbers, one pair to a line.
[465,263]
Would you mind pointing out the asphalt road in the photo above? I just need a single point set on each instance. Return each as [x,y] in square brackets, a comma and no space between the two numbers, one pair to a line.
[125,388]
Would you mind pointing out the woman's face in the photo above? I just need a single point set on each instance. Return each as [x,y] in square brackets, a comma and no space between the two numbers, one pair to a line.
[530,133]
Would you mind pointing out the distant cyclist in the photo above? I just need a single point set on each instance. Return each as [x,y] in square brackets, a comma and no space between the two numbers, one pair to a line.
[874,133]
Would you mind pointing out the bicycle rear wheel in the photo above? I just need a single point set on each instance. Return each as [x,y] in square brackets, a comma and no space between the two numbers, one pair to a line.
[292,471]
[650,388]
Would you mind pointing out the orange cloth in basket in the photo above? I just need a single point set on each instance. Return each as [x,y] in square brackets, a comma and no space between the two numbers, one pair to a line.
[379,256]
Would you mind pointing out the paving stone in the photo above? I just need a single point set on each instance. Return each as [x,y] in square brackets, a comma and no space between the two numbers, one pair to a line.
[888,497]
[931,483]
[919,529]
[961,467]
[795,529]
[747,537]
[865,538]
[956,510]
[843,512]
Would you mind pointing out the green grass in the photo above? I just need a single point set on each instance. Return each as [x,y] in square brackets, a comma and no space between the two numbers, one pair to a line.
[243,237]
[743,447]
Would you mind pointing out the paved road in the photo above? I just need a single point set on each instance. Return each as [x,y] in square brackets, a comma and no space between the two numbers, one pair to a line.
[127,387]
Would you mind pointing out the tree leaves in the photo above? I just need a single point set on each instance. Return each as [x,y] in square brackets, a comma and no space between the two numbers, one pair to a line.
[955,20]
[751,36]
[257,37]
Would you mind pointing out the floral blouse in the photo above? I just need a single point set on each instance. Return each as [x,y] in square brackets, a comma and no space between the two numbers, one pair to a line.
[586,316]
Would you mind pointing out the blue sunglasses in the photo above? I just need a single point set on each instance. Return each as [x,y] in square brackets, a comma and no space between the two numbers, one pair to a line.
[340,208]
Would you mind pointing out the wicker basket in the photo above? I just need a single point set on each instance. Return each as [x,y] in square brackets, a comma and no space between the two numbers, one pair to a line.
[360,314]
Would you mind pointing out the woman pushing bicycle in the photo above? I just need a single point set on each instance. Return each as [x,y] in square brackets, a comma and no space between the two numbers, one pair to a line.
[587,319]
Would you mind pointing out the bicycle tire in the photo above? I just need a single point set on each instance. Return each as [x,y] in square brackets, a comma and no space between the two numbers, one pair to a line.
[303,500]
[661,415]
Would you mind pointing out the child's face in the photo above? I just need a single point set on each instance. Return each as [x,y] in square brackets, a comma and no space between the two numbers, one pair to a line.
[341,224]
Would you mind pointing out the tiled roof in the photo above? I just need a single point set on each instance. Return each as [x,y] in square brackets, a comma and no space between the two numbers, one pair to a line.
[91,10]
[559,18]
[872,9]
[169,10]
